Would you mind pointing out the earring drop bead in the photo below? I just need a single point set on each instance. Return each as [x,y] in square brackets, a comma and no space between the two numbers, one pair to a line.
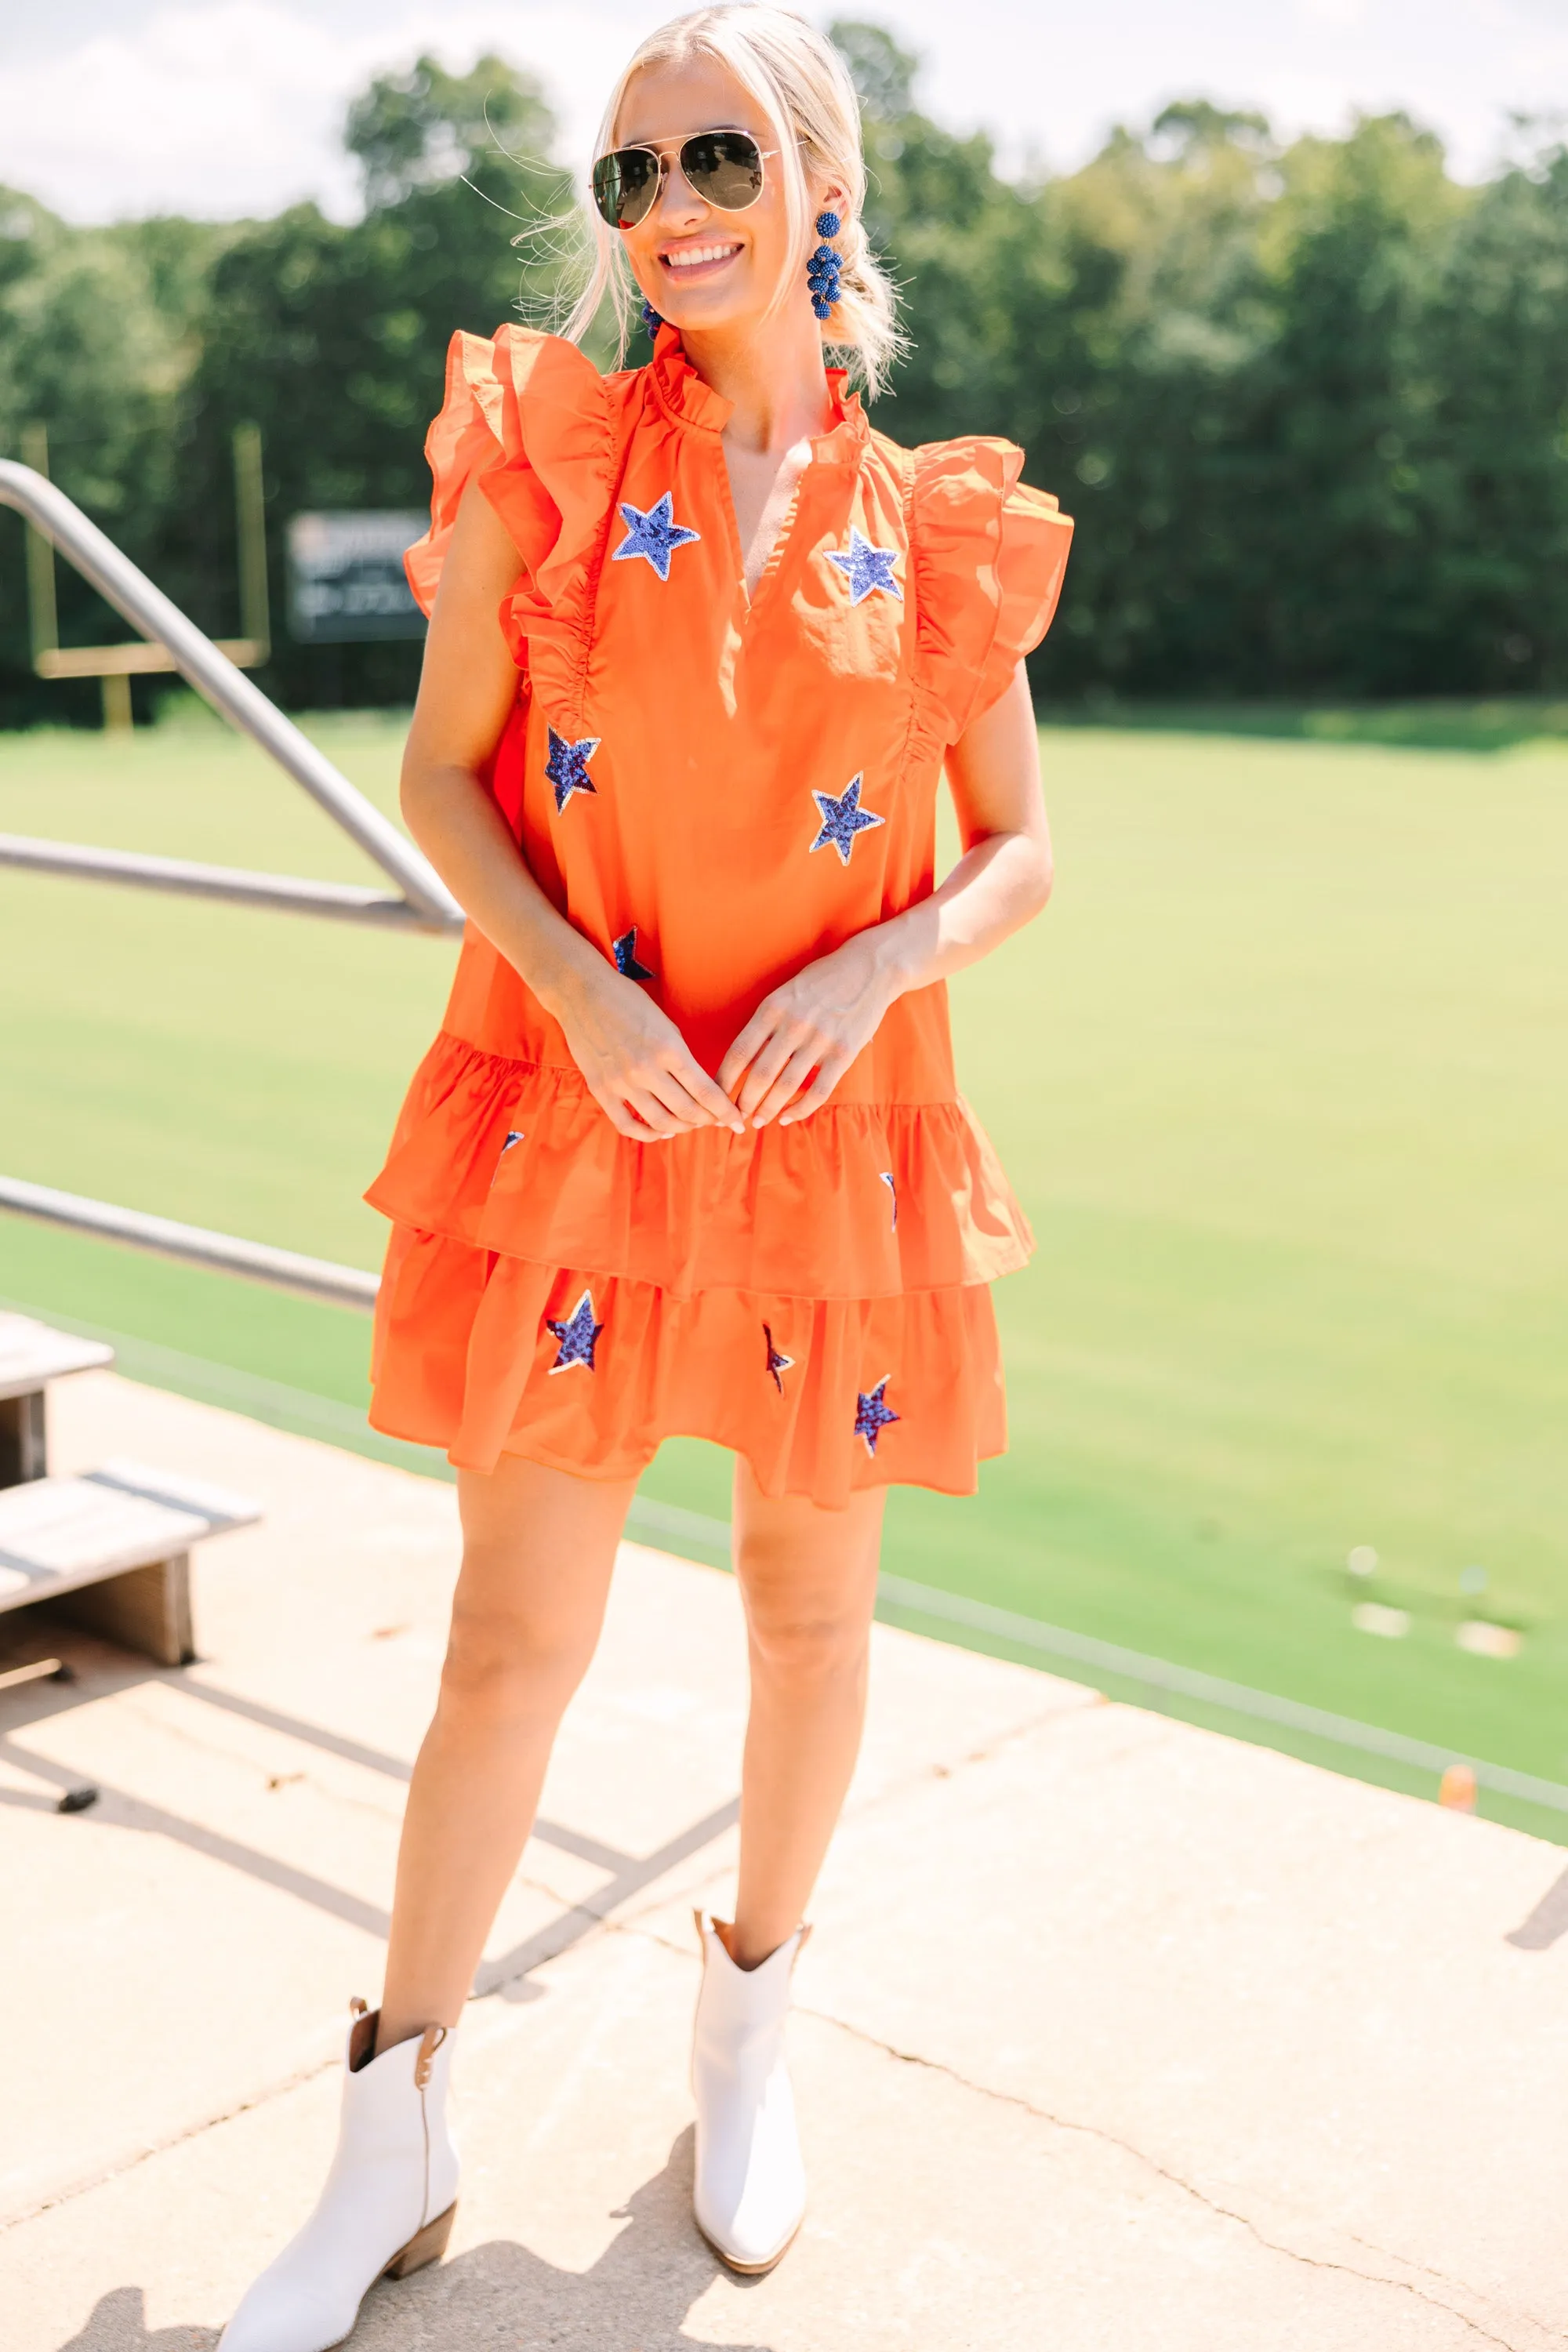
[650,317]
[826,267]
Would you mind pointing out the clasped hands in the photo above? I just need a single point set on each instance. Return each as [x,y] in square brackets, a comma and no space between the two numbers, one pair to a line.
[782,1065]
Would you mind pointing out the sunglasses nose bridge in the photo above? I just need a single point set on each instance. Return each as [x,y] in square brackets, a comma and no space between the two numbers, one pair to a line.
[675,191]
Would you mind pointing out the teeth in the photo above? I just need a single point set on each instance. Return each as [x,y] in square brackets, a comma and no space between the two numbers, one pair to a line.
[691,256]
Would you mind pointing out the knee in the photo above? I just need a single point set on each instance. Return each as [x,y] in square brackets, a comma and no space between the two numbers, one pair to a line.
[505,1659]
[807,1648]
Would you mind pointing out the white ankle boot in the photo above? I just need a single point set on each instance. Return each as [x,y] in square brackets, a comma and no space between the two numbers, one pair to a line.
[386,2208]
[750,2192]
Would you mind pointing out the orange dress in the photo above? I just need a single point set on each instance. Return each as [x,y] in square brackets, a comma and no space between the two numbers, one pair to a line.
[716,790]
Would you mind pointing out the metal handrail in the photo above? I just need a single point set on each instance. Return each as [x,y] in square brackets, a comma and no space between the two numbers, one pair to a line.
[344,899]
[307,1277]
[430,904]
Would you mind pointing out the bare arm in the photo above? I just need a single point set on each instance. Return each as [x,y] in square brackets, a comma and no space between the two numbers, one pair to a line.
[632,1055]
[821,1020]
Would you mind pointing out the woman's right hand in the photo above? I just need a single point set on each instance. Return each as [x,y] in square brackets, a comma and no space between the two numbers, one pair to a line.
[636,1064]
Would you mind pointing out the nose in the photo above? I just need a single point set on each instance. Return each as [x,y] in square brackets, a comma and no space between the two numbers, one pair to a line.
[680,206]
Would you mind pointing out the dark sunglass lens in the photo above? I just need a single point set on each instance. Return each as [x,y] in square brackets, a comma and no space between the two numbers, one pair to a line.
[625,185]
[725,167]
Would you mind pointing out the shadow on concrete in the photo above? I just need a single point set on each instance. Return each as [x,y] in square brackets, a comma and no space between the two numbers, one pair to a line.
[120,1810]
[1546,1923]
[636,2298]
[626,1875]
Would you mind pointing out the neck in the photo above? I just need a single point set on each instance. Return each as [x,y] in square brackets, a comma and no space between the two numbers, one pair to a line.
[774,377]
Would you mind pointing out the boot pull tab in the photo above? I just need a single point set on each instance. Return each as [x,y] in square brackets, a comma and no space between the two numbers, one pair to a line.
[358,2007]
[430,2040]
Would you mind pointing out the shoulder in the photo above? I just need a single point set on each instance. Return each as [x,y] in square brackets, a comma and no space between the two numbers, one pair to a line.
[970,504]
[988,554]
[966,487]
[972,481]
[519,372]
[527,418]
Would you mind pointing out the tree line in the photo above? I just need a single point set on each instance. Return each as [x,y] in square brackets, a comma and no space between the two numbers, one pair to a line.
[1308,401]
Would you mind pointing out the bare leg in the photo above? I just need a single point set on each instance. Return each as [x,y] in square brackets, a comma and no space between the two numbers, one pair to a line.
[809,1577]
[538,1551]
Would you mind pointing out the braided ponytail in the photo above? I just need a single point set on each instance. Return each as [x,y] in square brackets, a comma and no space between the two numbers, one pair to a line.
[863,332]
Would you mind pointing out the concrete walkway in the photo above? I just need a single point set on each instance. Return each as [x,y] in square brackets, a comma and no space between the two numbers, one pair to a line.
[1113,2033]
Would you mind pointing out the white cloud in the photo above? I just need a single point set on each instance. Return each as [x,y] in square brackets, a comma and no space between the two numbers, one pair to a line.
[223,110]
[227,107]
[237,106]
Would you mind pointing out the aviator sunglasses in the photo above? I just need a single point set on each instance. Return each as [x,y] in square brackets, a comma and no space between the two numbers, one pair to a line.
[723,167]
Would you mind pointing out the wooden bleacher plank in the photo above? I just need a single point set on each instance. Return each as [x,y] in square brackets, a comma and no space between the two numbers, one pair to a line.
[147,1608]
[33,1354]
[57,1533]
[122,1526]
[219,1505]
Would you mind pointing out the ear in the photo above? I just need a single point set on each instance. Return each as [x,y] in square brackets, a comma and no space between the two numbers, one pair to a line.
[830,198]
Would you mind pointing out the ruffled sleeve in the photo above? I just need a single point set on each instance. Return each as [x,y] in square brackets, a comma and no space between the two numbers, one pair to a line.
[526,416]
[989,556]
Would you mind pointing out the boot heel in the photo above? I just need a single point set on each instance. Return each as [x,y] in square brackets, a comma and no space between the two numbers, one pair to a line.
[427,2245]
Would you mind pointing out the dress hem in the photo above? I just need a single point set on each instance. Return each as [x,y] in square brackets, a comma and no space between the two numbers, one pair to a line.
[543,1455]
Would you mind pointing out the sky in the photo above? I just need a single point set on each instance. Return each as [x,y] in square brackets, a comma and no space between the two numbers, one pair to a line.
[109,109]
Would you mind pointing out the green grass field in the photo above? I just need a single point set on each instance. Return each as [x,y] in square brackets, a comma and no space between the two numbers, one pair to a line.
[1281,1078]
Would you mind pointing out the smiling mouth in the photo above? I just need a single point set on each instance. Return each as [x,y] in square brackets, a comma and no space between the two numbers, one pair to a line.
[688,262]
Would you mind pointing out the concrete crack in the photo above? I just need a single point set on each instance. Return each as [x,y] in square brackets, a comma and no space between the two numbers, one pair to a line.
[1443,2278]
[921,1774]
[1151,2164]
[144,2155]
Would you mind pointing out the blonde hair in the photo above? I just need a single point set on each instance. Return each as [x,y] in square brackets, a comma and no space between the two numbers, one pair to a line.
[801,83]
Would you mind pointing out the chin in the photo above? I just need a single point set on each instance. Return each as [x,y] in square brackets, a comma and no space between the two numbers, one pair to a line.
[726,301]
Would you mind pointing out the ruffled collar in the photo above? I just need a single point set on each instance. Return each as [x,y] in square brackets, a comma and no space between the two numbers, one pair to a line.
[684,394]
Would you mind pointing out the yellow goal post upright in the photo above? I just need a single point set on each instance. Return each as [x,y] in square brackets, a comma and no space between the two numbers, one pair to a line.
[115,666]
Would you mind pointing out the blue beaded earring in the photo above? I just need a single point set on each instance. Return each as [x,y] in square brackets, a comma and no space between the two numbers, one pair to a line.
[650,317]
[826,267]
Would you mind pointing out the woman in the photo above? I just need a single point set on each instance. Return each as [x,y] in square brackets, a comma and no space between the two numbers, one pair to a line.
[687,1154]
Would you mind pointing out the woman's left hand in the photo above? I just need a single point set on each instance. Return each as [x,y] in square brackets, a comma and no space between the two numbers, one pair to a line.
[817,1022]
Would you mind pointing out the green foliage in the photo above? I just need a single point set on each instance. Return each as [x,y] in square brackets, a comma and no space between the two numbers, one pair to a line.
[1307,403]
[333,339]
[99,331]
[143,351]
[425,127]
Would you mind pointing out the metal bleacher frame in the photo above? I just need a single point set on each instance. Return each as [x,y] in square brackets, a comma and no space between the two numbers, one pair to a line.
[112,1547]
[423,902]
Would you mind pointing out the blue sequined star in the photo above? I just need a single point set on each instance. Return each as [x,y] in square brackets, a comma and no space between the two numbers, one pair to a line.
[778,1362]
[576,1334]
[514,1135]
[654,533]
[867,567]
[886,1175]
[625,950]
[567,766]
[842,819]
[871,1415]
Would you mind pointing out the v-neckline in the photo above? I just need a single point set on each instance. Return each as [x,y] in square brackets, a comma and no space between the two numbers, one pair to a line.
[751,591]
[684,395]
